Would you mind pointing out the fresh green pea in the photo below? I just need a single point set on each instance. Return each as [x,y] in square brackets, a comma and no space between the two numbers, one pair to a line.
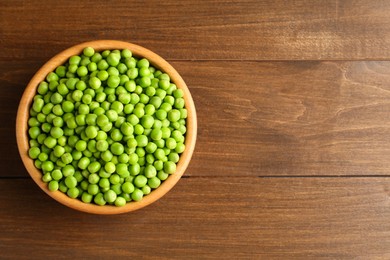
[137,195]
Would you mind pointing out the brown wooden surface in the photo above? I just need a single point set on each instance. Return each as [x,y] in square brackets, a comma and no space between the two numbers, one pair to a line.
[292,158]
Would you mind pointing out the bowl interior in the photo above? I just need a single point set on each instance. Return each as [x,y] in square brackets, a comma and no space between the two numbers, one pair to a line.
[61,58]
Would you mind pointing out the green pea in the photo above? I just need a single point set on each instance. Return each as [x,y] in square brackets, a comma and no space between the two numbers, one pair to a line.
[34,152]
[154,182]
[73,192]
[137,195]
[53,185]
[117,148]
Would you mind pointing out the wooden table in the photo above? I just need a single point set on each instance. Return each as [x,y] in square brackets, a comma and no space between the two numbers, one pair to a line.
[292,158]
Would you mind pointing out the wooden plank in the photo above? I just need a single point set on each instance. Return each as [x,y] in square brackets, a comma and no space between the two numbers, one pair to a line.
[290,118]
[209,218]
[265,118]
[217,29]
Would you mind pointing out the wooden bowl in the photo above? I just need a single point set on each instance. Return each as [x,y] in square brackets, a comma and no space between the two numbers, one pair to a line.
[61,58]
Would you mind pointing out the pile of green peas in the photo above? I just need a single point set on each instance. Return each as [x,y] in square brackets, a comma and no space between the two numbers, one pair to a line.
[106,127]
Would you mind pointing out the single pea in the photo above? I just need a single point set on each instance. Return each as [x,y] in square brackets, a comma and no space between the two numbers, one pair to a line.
[117,106]
[68,170]
[73,192]
[58,122]
[127,128]
[82,71]
[146,190]
[86,197]
[101,145]
[33,121]
[150,171]
[137,195]
[91,119]
[104,183]
[180,147]
[143,63]
[34,132]
[156,134]
[58,151]
[179,103]
[56,174]
[164,84]
[133,159]
[113,59]
[117,148]
[33,143]
[34,152]
[46,127]
[142,140]
[93,178]
[169,167]
[109,167]
[132,73]
[170,143]
[147,121]
[158,164]
[93,189]
[155,101]
[56,132]
[43,156]
[162,175]
[135,169]
[134,98]
[41,117]
[53,185]
[140,181]
[127,187]
[174,115]
[161,93]
[92,67]
[120,201]
[62,140]
[139,112]
[110,196]
[126,53]
[99,199]
[154,182]
[166,106]
[116,135]
[132,119]
[114,179]
[91,132]
[56,98]
[83,163]
[173,157]
[96,57]
[50,142]
[62,89]
[43,88]
[122,170]
[38,105]
[70,181]
[112,115]
[130,85]
[159,154]
[117,188]
[88,51]
[51,77]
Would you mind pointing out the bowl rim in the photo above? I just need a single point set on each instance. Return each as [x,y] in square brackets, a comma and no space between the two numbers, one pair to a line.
[61,58]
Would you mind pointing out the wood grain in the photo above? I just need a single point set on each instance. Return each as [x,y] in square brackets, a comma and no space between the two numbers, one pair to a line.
[205,218]
[293,106]
[219,29]
[266,119]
